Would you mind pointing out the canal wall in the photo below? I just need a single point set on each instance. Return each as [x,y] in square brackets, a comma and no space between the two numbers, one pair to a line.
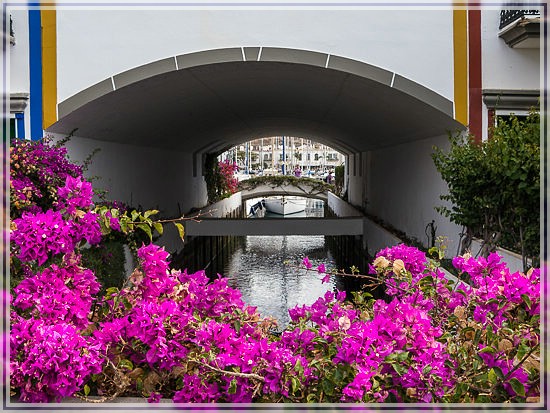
[347,250]
[512,259]
[209,253]
[400,185]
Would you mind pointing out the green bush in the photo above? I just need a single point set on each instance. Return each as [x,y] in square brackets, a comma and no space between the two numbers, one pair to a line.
[107,261]
[494,186]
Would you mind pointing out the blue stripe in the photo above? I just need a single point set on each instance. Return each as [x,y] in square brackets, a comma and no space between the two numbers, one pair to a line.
[20,120]
[35,58]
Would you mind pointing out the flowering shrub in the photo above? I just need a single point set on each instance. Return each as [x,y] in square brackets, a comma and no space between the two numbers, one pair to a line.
[220,178]
[50,361]
[37,170]
[167,333]
[227,172]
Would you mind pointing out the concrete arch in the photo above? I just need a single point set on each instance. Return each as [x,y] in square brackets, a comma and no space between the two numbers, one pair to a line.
[210,100]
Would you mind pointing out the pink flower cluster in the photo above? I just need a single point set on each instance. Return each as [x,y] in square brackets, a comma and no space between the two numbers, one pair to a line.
[37,169]
[372,346]
[227,171]
[176,316]
[50,361]
[491,279]
[59,293]
[42,235]
[75,194]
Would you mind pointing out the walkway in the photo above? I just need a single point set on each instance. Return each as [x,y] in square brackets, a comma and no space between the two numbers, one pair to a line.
[275,226]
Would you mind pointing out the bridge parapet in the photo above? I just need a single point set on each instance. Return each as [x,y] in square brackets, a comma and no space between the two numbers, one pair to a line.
[284,185]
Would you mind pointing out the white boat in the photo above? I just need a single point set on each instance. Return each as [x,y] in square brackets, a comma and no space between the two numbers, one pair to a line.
[284,205]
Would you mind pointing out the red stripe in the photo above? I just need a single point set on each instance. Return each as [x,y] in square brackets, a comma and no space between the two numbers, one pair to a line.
[474,69]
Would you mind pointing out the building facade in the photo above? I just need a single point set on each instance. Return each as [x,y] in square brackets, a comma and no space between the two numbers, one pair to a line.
[158,86]
[294,155]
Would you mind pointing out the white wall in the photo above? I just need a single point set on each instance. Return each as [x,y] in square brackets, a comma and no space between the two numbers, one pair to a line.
[150,177]
[377,238]
[404,187]
[504,67]
[513,261]
[358,177]
[18,55]
[341,208]
[96,44]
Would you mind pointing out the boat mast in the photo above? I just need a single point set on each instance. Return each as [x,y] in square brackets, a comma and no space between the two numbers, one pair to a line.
[262,155]
[284,158]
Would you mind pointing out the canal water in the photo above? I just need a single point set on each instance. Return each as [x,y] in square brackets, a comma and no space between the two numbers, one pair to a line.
[268,270]
[258,269]
[269,273]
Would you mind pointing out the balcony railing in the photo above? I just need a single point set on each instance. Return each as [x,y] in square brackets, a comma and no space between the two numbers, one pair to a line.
[510,16]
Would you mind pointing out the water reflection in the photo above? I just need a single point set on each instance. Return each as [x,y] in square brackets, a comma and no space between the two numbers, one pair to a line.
[257,269]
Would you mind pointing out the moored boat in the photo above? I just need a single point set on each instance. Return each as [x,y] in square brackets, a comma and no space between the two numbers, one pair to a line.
[284,205]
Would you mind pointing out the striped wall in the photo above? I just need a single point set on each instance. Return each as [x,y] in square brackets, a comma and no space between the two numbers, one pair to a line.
[43,70]
[467,69]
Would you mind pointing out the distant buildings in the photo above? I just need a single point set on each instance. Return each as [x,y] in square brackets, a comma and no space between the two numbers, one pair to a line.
[266,154]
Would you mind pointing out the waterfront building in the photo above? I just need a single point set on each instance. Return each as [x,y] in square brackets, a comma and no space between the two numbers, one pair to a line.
[157,87]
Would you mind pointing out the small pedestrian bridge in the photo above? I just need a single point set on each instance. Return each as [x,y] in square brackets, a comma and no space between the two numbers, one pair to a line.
[262,186]
[350,233]
[224,217]
[275,226]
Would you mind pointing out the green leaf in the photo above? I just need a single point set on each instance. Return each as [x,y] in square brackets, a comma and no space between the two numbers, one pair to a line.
[86,390]
[126,303]
[147,214]
[527,300]
[402,356]
[400,369]
[488,349]
[124,225]
[517,386]
[180,229]
[477,337]
[147,229]
[328,387]
[111,291]
[492,376]
[498,372]
[523,349]
[298,367]
[134,214]
[127,364]
[461,388]
[232,387]
[158,227]
[295,384]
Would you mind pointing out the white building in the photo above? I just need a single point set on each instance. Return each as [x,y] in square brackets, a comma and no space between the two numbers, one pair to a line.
[158,86]
[298,153]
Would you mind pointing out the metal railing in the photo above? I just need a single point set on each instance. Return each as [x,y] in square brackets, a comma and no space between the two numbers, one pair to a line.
[510,16]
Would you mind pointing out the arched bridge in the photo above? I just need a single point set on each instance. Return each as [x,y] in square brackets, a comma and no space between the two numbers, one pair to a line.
[284,185]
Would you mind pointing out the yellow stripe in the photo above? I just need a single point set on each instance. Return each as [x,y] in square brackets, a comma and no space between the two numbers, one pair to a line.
[49,67]
[460,48]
